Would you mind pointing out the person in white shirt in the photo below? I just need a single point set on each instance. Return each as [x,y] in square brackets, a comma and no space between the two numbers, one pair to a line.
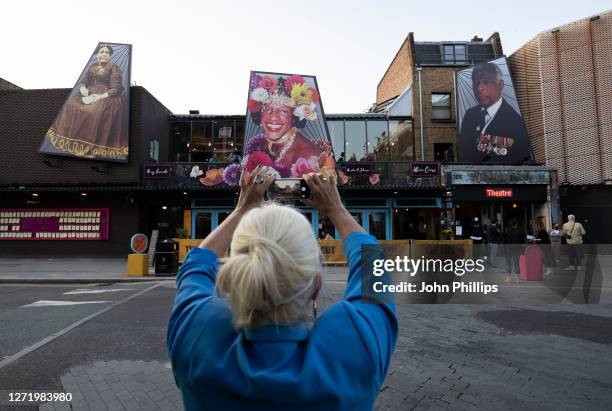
[573,232]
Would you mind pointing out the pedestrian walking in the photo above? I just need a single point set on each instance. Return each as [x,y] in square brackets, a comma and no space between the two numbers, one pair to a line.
[512,250]
[544,243]
[477,237]
[555,242]
[573,232]
[494,237]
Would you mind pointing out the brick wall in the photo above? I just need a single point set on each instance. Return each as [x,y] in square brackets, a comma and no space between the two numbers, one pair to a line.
[570,118]
[495,40]
[434,80]
[26,116]
[399,74]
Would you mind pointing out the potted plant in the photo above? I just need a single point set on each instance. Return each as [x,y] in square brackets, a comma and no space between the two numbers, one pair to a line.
[445,234]
[182,233]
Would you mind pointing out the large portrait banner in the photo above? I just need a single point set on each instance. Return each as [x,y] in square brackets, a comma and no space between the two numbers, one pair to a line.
[285,126]
[93,123]
[491,127]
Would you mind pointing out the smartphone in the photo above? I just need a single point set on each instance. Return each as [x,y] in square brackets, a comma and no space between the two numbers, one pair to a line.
[289,189]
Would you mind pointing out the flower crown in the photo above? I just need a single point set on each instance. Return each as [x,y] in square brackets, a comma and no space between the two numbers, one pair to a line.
[267,94]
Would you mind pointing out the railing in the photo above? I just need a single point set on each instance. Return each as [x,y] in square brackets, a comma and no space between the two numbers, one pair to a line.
[361,174]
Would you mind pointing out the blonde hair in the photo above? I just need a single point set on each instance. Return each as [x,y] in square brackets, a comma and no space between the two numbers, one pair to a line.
[271,268]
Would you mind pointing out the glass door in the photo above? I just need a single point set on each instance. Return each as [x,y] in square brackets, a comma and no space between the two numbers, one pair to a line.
[203,224]
[205,221]
[377,224]
[375,221]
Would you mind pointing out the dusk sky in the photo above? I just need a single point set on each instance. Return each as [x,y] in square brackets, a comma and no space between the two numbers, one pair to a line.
[198,54]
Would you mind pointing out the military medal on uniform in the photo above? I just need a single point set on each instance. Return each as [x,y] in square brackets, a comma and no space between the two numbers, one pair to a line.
[497,145]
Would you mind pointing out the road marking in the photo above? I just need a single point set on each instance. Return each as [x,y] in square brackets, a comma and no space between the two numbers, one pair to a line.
[95,291]
[47,340]
[53,303]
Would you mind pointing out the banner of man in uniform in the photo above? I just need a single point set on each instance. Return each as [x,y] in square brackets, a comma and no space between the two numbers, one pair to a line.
[491,127]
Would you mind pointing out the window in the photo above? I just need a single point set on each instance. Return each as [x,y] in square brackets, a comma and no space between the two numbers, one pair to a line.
[327,230]
[440,106]
[154,150]
[336,133]
[378,139]
[377,224]
[203,224]
[180,142]
[355,140]
[223,131]
[201,141]
[401,139]
[454,54]
[444,152]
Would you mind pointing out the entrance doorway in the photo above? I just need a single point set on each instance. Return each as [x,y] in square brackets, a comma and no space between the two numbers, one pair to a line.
[503,213]
[204,221]
[376,221]
[415,223]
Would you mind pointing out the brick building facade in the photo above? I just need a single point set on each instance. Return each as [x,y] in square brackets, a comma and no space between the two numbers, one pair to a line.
[435,63]
[31,180]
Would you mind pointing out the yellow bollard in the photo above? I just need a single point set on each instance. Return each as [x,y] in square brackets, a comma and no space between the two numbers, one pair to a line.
[138,265]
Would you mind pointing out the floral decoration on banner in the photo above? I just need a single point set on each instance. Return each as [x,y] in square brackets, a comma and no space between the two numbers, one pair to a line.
[255,143]
[270,93]
[342,178]
[374,179]
[259,158]
[213,177]
[303,166]
[195,172]
[231,175]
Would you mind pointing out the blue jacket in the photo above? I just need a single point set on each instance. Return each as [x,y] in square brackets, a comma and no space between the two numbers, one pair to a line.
[339,364]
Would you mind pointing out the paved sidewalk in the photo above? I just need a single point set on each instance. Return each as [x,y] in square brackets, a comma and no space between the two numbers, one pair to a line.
[455,357]
[58,270]
[119,385]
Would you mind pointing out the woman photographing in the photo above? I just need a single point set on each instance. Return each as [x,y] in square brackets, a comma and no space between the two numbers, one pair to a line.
[247,345]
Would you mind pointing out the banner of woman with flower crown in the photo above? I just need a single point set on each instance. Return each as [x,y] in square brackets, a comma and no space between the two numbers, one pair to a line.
[285,126]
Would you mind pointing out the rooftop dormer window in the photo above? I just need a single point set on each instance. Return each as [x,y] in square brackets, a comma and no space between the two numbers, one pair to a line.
[454,54]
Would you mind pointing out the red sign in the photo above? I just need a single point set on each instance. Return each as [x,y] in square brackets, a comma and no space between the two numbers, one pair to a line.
[498,192]
[139,243]
[54,224]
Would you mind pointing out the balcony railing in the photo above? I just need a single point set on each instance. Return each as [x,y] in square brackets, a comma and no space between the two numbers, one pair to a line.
[362,174]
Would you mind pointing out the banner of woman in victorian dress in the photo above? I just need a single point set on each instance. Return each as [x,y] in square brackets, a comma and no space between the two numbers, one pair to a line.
[285,125]
[94,121]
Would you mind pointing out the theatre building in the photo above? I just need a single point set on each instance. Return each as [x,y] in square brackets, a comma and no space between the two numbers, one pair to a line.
[563,79]
[401,170]
[383,194]
[425,77]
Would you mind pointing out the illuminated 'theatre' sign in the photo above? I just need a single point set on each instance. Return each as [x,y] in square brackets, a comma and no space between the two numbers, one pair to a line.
[498,193]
